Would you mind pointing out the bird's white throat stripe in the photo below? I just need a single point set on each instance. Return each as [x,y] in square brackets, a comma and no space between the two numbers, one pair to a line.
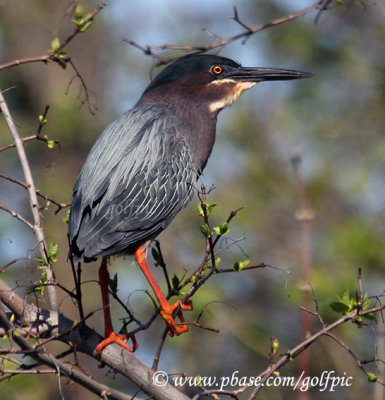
[234,93]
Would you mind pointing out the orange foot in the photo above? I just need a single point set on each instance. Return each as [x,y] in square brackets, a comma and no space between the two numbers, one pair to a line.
[167,315]
[119,339]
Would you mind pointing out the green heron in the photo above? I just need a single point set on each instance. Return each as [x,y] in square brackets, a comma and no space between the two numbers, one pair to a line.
[143,168]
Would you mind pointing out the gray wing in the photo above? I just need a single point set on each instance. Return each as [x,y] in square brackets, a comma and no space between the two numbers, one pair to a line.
[138,176]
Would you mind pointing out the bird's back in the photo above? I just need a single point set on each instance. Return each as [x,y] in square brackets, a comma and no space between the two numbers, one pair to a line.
[138,176]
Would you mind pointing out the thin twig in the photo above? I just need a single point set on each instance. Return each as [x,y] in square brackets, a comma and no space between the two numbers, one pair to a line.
[37,223]
[349,350]
[59,206]
[210,243]
[17,216]
[159,348]
[12,145]
[52,55]
[250,30]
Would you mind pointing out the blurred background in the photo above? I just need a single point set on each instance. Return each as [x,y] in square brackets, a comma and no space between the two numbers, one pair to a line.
[333,122]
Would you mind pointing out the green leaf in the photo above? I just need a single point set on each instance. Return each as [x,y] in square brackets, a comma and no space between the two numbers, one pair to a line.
[44,278]
[52,252]
[86,26]
[204,205]
[240,265]
[50,144]
[34,289]
[156,256]
[222,229]
[61,54]
[345,298]
[43,263]
[358,319]
[205,230]
[366,302]
[55,44]
[66,218]
[372,377]
[113,284]
[371,316]
[218,261]
[344,304]
[339,307]
[275,346]
[78,13]
[175,284]
[62,63]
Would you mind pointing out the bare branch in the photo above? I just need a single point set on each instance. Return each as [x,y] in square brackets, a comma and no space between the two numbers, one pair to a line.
[59,206]
[349,350]
[37,225]
[17,216]
[250,30]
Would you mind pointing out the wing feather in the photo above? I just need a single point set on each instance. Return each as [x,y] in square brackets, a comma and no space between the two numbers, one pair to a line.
[138,176]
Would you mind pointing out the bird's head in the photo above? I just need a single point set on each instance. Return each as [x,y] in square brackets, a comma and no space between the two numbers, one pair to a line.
[212,80]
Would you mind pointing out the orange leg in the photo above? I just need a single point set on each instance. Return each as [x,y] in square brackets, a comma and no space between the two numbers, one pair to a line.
[110,335]
[166,310]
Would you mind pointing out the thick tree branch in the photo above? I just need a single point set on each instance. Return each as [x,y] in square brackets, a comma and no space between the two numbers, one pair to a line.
[61,368]
[85,339]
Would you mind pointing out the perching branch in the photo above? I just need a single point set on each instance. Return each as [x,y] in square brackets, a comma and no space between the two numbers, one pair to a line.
[55,325]
[46,358]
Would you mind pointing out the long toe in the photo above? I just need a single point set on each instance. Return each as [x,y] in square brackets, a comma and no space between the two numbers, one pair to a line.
[168,315]
[115,338]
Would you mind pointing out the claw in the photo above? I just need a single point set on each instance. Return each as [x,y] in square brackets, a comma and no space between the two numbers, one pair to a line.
[119,339]
[167,311]
[168,315]
[110,335]
[187,305]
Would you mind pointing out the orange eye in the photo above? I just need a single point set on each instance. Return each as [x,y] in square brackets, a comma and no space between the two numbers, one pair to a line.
[217,69]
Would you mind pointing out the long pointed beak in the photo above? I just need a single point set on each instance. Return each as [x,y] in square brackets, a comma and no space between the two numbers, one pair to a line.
[244,74]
